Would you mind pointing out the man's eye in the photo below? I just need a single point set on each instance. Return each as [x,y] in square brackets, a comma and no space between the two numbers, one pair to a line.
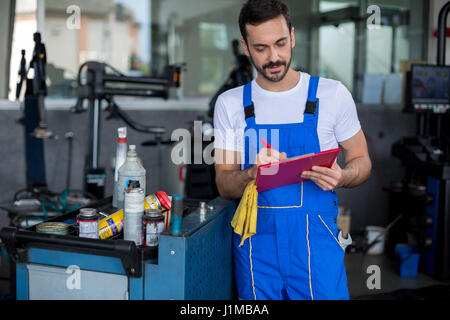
[259,49]
[281,44]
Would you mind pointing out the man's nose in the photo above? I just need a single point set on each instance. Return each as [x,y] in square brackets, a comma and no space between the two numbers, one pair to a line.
[274,57]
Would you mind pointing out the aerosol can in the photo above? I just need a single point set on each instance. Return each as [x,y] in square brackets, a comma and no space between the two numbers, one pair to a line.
[121,156]
[131,175]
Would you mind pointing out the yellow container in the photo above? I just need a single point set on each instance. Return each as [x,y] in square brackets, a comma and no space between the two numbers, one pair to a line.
[111,225]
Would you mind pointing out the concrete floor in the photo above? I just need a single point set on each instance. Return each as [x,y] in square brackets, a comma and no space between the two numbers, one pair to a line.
[357,275]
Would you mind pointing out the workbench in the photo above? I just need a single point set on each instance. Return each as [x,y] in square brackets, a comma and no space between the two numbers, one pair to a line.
[195,265]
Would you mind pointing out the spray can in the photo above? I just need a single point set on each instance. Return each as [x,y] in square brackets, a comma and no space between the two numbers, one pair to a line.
[88,223]
[131,175]
[121,156]
[133,213]
[111,225]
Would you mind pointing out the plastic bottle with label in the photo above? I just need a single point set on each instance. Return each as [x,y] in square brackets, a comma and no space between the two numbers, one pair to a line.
[121,156]
[131,175]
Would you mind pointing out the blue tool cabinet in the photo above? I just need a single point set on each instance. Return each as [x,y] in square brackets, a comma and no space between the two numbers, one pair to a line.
[195,265]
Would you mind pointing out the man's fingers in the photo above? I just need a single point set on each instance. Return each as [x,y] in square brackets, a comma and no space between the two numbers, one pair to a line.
[263,159]
[272,153]
[267,159]
[269,156]
[325,171]
[322,184]
[318,176]
[323,181]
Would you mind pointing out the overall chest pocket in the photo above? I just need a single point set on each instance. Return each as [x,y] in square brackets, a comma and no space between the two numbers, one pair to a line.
[286,197]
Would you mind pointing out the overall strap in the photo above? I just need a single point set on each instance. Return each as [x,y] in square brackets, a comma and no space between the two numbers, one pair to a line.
[311,104]
[249,107]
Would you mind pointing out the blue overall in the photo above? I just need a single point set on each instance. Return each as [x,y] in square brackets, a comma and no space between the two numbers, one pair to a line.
[295,253]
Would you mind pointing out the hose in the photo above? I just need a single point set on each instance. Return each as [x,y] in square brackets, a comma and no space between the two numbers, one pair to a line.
[64,207]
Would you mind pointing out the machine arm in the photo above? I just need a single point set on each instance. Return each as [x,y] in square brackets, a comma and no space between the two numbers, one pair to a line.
[442,34]
[96,88]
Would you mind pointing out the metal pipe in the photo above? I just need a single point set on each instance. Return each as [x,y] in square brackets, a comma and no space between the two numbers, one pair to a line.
[135,92]
[42,112]
[69,137]
[442,34]
[90,144]
[140,80]
[394,51]
[12,235]
[95,133]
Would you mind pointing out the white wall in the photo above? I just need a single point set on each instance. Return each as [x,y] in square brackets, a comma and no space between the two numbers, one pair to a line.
[26,6]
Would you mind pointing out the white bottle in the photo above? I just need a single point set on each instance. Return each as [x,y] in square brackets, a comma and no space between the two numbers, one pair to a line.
[130,171]
[121,156]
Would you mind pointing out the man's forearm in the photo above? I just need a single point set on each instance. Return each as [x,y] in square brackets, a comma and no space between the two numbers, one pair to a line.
[231,184]
[356,172]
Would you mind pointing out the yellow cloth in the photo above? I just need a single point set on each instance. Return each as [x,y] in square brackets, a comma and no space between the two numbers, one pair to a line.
[244,220]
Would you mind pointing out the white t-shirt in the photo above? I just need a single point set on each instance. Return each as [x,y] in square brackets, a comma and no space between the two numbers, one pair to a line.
[338,118]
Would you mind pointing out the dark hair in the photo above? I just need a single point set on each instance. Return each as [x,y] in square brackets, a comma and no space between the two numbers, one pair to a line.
[255,12]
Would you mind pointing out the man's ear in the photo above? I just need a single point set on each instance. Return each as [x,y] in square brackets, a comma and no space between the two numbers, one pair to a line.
[293,37]
[244,45]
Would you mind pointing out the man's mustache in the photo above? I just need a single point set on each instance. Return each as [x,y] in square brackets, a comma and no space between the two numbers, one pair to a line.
[274,64]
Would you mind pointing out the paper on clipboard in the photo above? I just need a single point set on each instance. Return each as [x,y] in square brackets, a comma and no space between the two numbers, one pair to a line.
[275,175]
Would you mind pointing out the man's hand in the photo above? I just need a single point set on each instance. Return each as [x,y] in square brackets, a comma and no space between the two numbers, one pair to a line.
[230,180]
[356,171]
[266,156]
[327,179]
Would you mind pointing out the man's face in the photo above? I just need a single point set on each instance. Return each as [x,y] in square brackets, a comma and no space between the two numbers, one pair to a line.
[269,47]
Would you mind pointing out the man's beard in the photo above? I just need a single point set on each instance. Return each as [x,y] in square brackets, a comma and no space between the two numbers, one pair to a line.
[266,75]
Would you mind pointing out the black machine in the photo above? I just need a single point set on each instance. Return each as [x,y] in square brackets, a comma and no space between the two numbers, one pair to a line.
[36,202]
[34,117]
[423,197]
[101,83]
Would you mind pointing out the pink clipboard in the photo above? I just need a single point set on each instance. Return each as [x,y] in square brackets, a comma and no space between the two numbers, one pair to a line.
[275,175]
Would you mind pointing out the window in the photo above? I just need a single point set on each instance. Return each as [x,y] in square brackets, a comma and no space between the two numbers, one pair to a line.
[336,52]
[347,43]
[326,5]
[141,37]
[388,45]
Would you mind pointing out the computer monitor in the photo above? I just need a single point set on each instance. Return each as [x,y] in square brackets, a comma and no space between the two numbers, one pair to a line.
[429,88]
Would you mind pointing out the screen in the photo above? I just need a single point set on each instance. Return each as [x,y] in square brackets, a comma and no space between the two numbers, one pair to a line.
[430,84]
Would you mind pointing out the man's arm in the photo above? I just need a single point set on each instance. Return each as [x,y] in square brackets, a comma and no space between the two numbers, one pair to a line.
[358,165]
[231,181]
[356,171]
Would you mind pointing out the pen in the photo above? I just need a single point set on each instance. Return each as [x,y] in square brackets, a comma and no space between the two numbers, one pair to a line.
[266,144]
